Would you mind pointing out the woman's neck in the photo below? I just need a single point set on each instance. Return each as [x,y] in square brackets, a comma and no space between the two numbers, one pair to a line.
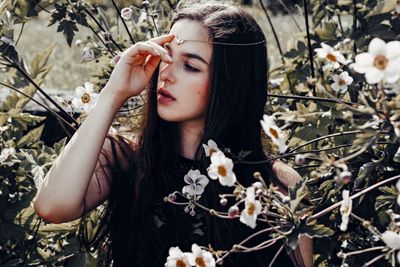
[190,136]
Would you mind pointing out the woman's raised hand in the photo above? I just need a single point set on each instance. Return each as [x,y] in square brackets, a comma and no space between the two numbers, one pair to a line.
[136,66]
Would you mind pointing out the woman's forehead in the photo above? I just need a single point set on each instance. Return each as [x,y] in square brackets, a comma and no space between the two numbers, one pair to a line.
[191,36]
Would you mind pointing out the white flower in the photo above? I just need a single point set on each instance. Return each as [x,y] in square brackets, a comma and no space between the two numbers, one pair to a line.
[177,258]
[276,82]
[398,189]
[221,168]
[345,209]
[196,183]
[85,98]
[300,159]
[252,209]
[126,13]
[274,132]
[380,63]
[78,43]
[341,81]
[392,240]
[87,55]
[6,154]
[200,257]
[210,148]
[334,57]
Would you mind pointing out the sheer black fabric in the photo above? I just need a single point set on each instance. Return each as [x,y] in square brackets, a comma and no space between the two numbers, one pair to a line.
[175,227]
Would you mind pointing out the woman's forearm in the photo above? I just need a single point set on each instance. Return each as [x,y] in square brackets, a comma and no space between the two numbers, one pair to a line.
[64,187]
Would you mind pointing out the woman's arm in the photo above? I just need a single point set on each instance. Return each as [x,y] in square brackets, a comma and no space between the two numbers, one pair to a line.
[63,191]
[289,177]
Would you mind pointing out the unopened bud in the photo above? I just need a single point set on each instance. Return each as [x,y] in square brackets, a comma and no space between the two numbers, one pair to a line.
[233,211]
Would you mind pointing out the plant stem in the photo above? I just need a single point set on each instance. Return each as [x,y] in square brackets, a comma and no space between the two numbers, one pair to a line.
[324,137]
[20,33]
[354,24]
[363,192]
[310,52]
[291,14]
[319,99]
[26,76]
[273,31]
[40,104]
[123,21]
[101,28]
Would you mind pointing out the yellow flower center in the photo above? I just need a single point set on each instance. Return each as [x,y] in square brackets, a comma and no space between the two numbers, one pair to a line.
[274,133]
[200,262]
[222,170]
[331,57]
[85,98]
[180,263]
[380,62]
[342,82]
[251,208]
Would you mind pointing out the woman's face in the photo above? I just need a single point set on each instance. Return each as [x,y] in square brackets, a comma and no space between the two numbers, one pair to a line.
[186,79]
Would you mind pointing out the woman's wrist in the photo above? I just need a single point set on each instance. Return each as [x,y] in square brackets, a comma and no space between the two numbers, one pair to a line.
[108,98]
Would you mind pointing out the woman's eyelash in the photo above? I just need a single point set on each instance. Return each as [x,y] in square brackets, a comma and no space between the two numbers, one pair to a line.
[190,68]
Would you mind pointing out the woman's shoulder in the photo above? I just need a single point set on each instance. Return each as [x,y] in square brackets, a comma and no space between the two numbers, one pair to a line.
[286,174]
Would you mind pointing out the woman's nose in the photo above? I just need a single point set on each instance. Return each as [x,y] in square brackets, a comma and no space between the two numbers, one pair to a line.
[167,72]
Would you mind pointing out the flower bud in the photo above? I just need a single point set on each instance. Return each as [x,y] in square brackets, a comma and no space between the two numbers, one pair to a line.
[126,13]
[345,177]
[233,211]
[146,4]
[223,201]
[172,197]
[107,37]
[300,159]
[88,54]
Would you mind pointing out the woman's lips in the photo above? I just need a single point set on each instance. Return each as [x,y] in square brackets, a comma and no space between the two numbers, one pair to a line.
[164,97]
[166,93]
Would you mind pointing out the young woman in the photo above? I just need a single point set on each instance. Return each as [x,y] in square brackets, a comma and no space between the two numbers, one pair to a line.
[206,79]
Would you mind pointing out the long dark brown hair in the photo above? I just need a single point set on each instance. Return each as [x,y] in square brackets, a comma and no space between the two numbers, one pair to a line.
[238,83]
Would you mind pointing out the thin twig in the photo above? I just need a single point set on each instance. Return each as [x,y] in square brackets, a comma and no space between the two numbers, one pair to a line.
[273,31]
[26,76]
[40,104]
[366,190]
[123,21]
[319,99]
[20,33]
[310,52]
[101,28]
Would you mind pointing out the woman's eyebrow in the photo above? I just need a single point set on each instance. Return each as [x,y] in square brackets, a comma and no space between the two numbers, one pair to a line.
[188,55]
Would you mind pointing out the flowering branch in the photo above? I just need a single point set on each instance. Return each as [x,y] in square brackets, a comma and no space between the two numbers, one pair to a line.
[363,192]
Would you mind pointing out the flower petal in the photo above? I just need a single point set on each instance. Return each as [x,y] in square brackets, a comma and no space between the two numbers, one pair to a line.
[363,62]
[377,47]
[373,75]
[393,50]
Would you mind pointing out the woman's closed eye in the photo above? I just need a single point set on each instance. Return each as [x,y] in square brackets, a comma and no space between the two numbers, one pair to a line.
[190,68]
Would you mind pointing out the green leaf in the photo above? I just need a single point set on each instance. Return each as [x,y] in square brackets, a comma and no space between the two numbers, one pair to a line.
[383,7]
[328,32]
[39,62]
[31,137]
[68,28]
[297,193]
[313,229]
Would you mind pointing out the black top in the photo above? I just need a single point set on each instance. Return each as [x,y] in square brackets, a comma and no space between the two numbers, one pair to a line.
[175,227]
